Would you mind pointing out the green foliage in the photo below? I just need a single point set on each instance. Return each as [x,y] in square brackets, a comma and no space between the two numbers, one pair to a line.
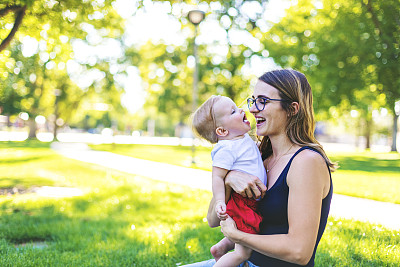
[63,17]
[348,49]
[341,48]
[28,84]
[168,77]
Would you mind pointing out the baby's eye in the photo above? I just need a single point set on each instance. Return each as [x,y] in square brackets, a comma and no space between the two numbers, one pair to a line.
[233,111]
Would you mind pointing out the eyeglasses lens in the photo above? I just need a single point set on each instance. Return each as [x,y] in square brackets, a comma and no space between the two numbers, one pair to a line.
[260,103]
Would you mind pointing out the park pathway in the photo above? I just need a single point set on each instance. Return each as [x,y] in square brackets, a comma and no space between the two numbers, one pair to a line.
[386,214]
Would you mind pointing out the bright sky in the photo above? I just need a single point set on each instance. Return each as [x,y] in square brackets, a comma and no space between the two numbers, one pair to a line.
[153,22]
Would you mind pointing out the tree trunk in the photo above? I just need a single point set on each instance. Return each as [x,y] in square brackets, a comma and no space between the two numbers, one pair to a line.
[57,93]
[394,134]
[368,127]
[9,124]
[32,128]
[55,129]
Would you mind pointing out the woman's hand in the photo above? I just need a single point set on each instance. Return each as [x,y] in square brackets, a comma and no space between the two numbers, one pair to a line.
[245,184]
[229,229]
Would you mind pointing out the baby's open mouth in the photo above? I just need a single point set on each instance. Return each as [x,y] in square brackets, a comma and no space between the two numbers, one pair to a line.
[245,118]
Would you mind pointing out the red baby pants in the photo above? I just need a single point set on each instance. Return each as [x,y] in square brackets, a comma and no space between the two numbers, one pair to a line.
[243,211]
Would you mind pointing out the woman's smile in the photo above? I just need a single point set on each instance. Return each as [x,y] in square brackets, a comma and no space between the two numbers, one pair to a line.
[260,121]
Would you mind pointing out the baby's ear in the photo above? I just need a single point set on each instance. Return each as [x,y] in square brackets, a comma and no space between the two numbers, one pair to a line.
[220,131]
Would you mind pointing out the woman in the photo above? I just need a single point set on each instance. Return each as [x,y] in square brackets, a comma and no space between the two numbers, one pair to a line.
[299,188]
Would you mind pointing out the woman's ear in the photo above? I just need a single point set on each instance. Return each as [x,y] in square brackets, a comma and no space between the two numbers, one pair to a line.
[220,131]
[294,108]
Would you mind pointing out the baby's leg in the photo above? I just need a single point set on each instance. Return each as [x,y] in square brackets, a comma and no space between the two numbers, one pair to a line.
[221,248]
[234,258]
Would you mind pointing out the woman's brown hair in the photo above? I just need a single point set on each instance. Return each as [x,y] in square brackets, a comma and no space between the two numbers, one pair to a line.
[294,87]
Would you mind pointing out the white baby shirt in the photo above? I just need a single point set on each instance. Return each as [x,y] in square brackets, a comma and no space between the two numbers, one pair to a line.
[240,154]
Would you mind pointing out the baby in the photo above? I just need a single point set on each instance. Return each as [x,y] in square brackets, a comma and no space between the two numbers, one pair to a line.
[220,121]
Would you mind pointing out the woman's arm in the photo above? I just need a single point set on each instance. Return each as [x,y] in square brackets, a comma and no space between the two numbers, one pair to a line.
[212,218]
[307,180]
[245,184]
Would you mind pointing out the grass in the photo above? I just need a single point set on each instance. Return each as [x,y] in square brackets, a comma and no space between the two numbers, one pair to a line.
[368,175]
[127,220]
[361,174]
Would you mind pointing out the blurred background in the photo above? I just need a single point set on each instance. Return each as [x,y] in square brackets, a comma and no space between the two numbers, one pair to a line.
[124,76]
[105,71]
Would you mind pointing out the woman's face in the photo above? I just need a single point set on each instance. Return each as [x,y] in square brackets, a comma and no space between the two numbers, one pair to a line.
[273,119]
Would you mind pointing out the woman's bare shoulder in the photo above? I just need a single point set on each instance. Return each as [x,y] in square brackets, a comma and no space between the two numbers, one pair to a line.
[309,157]
[309,168]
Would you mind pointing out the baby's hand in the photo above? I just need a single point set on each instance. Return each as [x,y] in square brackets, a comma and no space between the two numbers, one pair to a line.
[220,209]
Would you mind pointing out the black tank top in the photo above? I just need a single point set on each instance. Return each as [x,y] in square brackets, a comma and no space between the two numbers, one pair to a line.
[273,208]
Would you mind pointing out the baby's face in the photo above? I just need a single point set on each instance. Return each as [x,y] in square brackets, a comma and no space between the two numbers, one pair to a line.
[230,117]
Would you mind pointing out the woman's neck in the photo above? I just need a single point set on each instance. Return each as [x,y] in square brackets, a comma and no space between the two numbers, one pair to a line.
[280,144]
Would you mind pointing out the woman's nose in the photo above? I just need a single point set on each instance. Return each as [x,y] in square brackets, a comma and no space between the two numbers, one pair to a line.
[252,108]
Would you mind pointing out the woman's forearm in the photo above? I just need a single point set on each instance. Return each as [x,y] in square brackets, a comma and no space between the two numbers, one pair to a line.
[280,246]
[212,219]
[286,247]
[245,184]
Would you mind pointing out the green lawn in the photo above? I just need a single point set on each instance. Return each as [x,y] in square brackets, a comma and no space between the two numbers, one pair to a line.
[127,220]
[368,175]
[362,174]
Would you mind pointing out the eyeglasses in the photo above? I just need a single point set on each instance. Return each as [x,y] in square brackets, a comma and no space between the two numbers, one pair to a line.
[261,102]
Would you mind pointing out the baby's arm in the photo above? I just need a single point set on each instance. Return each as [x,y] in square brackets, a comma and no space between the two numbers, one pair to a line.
[218,188]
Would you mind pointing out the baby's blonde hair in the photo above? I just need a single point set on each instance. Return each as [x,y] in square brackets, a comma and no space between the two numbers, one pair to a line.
[204,123]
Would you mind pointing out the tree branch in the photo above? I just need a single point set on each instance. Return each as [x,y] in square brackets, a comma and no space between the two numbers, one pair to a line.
[388,38]
[20,13]
[8,9]
[375,20]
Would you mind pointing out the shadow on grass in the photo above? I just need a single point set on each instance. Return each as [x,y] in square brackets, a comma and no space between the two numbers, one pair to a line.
[24,144]
[95,229]
[19,160]
[367,164]
[25,182]
[123,226]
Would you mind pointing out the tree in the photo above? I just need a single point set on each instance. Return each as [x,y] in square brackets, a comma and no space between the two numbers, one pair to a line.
[29,16]
[167,69]
[338,45]
[48,21]
[40,83]
[384,18]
